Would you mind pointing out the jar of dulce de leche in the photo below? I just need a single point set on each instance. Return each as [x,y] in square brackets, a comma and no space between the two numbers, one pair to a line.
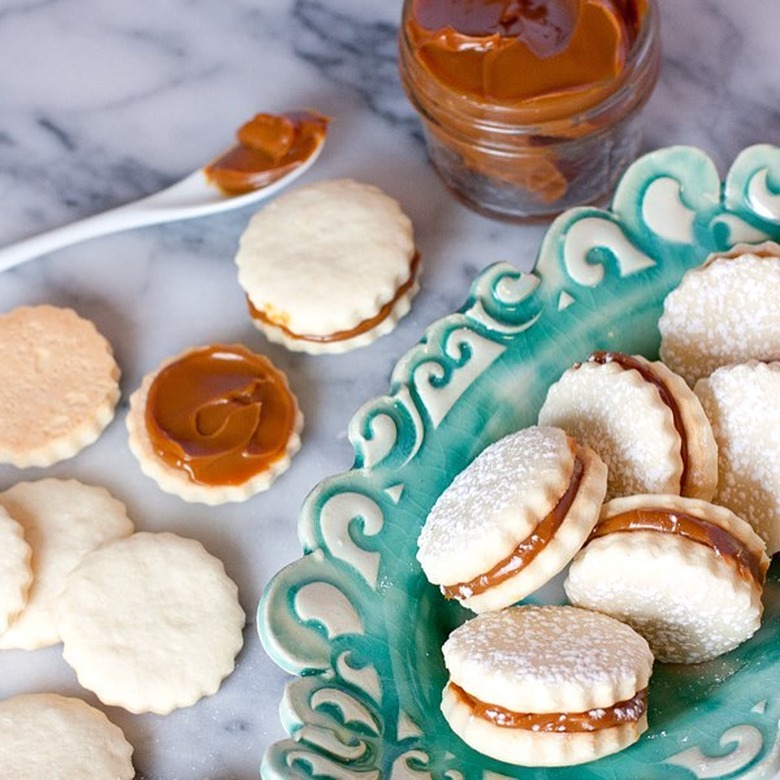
[529,107]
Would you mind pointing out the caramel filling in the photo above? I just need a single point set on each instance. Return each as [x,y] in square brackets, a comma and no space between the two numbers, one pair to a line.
[667,398]
[342,335]
[628,711]
[527,550]
[222,414]
[751,566]
[269,146]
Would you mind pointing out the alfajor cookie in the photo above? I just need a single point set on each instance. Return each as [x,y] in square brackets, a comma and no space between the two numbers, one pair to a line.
[45,735]
[546,686]
[328,267]
[686,574]
[513,518]
[15,570]
[62,521]
[151,622]
[214,424]
[59,385]
[725,311]
[742,404]
[644,421]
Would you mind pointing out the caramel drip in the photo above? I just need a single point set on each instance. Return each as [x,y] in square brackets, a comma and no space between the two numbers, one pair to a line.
[527,550]
[628,711]
[222,414]
[343,335]
[269,146]
[750,565]
[629,362]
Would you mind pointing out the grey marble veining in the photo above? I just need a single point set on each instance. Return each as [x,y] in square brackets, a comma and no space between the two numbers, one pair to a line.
[101,103]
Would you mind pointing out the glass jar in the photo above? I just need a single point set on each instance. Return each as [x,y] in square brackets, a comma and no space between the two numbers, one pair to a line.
[519,158]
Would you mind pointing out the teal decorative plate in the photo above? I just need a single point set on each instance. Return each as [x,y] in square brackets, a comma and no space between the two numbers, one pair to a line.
[356,620]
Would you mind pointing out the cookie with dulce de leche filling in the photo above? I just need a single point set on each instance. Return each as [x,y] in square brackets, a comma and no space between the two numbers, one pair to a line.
[513,518]
[686,574]
[215,424]
[328,267]
[546,686]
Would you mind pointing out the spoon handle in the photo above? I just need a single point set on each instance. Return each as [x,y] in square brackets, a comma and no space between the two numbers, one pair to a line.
[111,221]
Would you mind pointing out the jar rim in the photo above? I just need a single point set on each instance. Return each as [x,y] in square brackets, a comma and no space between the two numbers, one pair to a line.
[439,102]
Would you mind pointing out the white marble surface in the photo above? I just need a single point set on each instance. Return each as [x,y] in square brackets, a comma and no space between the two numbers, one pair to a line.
[101,103]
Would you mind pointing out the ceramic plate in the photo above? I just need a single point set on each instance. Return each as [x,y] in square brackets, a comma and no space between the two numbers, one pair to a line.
[355,620]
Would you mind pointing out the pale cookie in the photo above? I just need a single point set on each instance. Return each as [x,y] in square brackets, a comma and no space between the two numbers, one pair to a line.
[513,518]
[726,311]
[15,570]
[151,623]
[63,520]
[546,686]
[328,267]
[44,736]
[742,404]
[686,574]
[643,420]
[214,424]
[59,385]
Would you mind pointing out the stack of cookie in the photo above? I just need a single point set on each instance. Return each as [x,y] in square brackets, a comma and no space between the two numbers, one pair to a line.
[654,483]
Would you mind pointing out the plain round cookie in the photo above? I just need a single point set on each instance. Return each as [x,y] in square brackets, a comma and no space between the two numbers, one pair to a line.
[691,601]
[15,570]
[725,311]
[742,404]
[63,520]
[240,431]
[45,735]
[552,662]
[643,420]
[151,623]
[328,267]
[59,385]
[513,518]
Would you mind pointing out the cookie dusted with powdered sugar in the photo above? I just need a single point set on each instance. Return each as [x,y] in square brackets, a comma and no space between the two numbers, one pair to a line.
[686,574]
[59,385]
[726,311]
[45,735]
[644,421]
[513,518]
[742,404]
[328,267]
[546,686]
[15,569]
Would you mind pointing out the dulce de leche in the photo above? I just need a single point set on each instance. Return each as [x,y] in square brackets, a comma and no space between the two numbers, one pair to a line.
[529,106]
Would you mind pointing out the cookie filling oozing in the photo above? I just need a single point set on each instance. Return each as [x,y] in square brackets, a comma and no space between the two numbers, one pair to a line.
[363,327]
[628,362]
[527,550]
[629,711]
[222,414]
[751,566]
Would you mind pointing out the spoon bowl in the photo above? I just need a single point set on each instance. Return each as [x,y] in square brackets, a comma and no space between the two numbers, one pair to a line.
[193,196]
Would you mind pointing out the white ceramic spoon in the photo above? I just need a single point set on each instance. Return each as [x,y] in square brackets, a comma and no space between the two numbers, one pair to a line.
[191,197]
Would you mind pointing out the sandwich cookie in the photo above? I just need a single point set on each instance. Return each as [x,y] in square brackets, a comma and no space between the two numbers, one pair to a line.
[215,424]
[328,267]
[644,421]
[742,404]
[59,385]
[546,686]
[513,518]
[725,311]
[686,574]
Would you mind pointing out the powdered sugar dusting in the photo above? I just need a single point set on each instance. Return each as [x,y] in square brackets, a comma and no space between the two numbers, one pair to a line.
[494,503]
[727,311]
[742,405]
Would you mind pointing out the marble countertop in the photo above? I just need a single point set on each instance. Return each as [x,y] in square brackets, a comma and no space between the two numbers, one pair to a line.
[101,103]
